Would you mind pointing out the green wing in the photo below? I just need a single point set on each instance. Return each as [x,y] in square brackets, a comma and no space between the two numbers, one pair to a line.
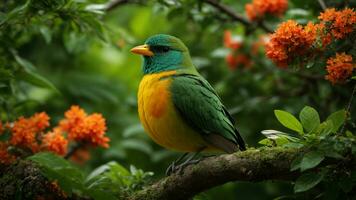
[201,108]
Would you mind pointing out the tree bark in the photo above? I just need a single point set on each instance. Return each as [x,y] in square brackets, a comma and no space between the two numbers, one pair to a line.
[251,165]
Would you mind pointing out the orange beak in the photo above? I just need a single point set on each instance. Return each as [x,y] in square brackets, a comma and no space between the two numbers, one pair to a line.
[142,50]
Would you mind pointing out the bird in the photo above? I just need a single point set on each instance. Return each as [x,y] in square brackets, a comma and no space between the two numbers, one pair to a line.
[177,107]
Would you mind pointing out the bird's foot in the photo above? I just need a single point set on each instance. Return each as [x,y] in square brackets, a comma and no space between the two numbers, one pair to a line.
[173,168]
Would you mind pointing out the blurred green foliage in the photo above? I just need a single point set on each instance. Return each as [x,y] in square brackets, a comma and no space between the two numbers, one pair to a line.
[56,53]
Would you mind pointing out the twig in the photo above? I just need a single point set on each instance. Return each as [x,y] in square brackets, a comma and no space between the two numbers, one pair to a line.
[228,11]
[304,75]
[348,108]
[322,4]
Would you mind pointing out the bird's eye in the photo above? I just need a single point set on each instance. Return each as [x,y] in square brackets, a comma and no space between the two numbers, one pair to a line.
[160,49]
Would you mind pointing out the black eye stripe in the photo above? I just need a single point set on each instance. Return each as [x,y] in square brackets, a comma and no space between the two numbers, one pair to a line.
[159,48]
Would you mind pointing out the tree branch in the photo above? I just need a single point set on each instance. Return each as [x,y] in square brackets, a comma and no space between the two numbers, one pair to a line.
[251,165]
[236,17]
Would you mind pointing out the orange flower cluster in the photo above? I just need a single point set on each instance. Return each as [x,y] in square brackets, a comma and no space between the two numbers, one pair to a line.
[26,130]
[340,23]
[232,59]
[85,128]
[29,133]
[289,40]
[55,141]
[318,32]
[339,68]
[259,8]
[5,157]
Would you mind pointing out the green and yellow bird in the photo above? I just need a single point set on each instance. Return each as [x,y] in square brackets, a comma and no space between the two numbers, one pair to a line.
[177,106]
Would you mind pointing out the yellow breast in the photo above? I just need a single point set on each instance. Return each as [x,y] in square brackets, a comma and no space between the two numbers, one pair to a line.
[159,117]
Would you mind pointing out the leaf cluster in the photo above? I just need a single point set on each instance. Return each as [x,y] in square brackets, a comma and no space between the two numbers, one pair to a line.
[109,181]
[321,141]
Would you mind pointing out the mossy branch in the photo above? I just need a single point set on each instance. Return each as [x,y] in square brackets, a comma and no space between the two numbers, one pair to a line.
[252,165]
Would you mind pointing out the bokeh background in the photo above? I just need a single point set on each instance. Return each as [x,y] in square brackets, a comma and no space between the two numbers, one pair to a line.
[93,68]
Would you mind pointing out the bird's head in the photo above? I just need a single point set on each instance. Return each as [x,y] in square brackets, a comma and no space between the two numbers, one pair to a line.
[163,53]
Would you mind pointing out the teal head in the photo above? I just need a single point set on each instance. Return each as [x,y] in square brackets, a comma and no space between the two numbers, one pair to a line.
[163,53]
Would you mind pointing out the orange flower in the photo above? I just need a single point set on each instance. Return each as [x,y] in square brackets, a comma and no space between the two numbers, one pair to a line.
[288,41]
[251,13]
[75,115]
[5,157]
[54,141]
[339,68]
[23,134]
[319,33]
[40,121]
[82,128]
[259,8]
[96,127]
[25,130]
[341,22]
[229,42]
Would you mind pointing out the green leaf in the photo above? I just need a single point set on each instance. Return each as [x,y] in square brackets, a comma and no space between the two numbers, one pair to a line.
[289,121]
[49,159]
[266,142]
[111,166]
[333,154]
[46,33]
[57,168]
[338,118]
[309,118]
[307,181]
[27,65]
[354,77]
[311,159]
[119,169]
[282,141]
[326,127]
[36,80]
[296,163]
[29,75]
[15,12]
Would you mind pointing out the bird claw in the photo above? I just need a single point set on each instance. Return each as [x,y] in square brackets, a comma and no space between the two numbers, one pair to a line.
[172,168]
